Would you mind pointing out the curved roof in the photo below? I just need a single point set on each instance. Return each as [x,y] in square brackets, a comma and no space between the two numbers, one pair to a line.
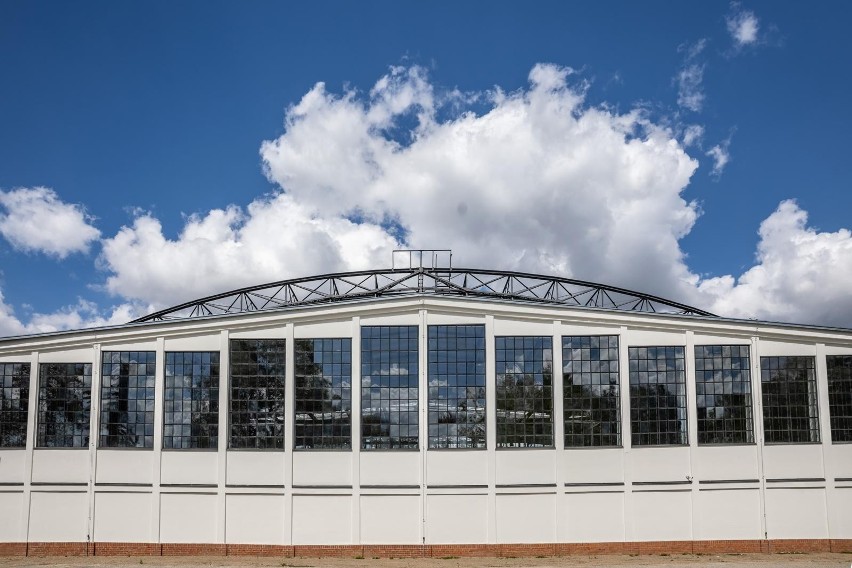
[349,286]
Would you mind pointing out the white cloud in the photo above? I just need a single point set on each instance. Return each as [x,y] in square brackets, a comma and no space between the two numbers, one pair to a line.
[690,77]
[743,26]
[693,135]
[801,274]
[37,220]
[83,314]
[721,155]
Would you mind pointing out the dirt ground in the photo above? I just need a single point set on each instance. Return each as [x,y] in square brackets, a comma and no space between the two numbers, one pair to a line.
[672,561]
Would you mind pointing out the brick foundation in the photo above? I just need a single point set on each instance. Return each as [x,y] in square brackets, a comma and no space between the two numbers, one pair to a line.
[425,551]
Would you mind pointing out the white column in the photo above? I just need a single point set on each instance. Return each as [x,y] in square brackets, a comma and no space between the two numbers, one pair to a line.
[159,395]
[692,428]
[356,430]
[825,432]
[491,427]
[222,445]
[423,422]
[32,424]
[757,398]
[624,391]
[559,432]
[289,428]
[94,421]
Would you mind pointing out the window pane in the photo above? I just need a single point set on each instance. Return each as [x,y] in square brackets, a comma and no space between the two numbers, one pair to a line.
[64,404]
[840,396]
[256,410]
[389,387]
[790,411]
[723,394]
[324,394]
[591,390]
[524,392]
[191,400]
[14,403]
[456,386]
[127,399]
[657,396]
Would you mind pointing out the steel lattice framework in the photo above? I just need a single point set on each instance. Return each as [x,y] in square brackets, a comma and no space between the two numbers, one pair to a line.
[473,283]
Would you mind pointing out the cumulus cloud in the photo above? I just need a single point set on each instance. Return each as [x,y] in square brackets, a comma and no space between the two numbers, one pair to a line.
[800,275]
[83,314]
[721,155]
[743,26]
[37,220]
[693,135]
[690,77]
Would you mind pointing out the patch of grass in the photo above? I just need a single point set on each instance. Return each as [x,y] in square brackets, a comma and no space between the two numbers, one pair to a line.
[449,557]
[359,557]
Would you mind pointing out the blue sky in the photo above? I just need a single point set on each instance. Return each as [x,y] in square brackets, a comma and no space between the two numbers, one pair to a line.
[158,111]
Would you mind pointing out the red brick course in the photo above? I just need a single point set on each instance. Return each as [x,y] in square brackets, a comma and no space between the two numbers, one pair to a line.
[425,550]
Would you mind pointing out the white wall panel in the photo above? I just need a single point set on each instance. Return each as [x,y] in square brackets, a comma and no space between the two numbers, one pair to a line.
[526,466]
[332,329]
[58,516]
[67,356]
[778,348]
[796,513]
[61,466]
[457,467]
[188,517]
[662,515]
[725,463]
[278,331]
[599,465]
[438,318]
[322,519]
[793,461]
[526,518]
[840,512]
[645,338]
[123,517]
[255,468]
[125,466]
[255,519]
[194,343]
[390,519]
[189,468]
[508,327]
[12,463]
[322,468]
[390,468]
[391,319]
[127,346]
[11,516]
[594,517]
[660,464]
[456,519]
[729,515]
[839,460]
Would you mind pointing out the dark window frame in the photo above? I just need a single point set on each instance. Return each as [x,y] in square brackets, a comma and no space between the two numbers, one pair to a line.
[456,387]
[724,368]
[395,345]
[780,417]
[14,404]
[596,369]
[77,407]
[126,406]
[203,366]
[671,417]
[530,387]
[839,370]
[323,394]
[260,367]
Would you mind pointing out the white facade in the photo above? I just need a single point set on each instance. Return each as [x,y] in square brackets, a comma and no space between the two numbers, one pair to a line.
[624,494]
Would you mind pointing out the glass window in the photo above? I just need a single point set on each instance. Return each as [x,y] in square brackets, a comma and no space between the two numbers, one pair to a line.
[524,392]
[64,404]
[127,399]
[723,394]
[191,400]
[324,394]
[456,386]
[389,387]
[258,389]
[657,396]
[590,384]
[14,402]
[790,408]
[840,396]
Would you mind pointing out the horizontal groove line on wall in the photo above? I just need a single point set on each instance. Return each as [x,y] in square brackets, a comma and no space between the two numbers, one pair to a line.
[680,482]
[524,485]
[322,487]
[614,484]
[457,487]
[718,481]
[58,484]
[191,485]
[797,480]
[251,486]
[390,487]
[842,479]
[661,490]
[11,484]
[124,485]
